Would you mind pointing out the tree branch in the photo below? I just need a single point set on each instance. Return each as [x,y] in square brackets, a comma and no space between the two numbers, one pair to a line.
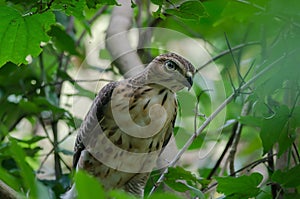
[6,192]
[117,43]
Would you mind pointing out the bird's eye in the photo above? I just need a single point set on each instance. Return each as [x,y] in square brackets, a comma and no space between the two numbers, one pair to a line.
[170,65]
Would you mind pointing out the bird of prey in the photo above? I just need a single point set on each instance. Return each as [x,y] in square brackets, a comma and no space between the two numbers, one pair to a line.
[129,124]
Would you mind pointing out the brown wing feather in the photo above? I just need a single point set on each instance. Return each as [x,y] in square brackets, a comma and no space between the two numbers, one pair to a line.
[92,118]
[169,132]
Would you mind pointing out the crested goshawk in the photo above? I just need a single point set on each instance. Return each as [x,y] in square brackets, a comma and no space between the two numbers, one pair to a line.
[129,124]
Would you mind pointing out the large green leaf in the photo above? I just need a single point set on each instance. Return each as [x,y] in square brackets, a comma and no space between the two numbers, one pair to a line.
[88,187]
[296,116]
[273,127]
[10,180]
[240,187]
[187,103]
[21,36]
[288,178]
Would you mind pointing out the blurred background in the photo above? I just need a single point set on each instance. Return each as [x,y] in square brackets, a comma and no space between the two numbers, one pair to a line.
[56,55]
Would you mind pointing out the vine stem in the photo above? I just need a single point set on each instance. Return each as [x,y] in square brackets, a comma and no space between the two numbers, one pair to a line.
[209,119]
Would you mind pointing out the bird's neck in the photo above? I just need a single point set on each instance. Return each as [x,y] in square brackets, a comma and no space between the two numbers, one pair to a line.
[139,79]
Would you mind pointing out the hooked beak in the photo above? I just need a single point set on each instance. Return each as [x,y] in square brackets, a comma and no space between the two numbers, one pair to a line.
[189,78]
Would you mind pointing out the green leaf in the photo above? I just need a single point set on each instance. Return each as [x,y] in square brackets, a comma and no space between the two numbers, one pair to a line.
[296,116]
[188,10]
[187,103]
[240,187]
[272,128]
[133,4]
[87,186]
[158,14]
[29,107]
[181,180]
[94,3]
[250,121]
[62,40]
[83,92]
[70,7]
[10,180]
[26,171]
[21,36]
[104,54]
[239,11]
[164,196]
[157,2]
[288,178]
[198,141]
[64,75]
[45,105]
[31,152]
[3,131]
[119,194]
[19,156]
[32,140]
[285,139]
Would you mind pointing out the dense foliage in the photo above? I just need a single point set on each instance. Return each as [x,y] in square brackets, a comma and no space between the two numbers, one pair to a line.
[255,45]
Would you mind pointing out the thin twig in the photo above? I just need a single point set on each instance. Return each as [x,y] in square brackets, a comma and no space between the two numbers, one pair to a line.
[236,64]
[41,120]
[44,160]
[64,162]
[210,118]
[225,52]
[249,70]
[66,137]
[230,79]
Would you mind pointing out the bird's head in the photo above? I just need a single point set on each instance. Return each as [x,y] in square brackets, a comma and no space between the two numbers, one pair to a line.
[171,71]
